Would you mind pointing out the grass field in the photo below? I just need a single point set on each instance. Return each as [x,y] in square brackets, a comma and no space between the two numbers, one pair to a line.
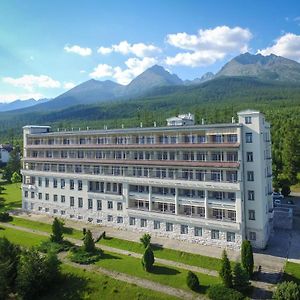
[11,195]
[292,272]
[79,284]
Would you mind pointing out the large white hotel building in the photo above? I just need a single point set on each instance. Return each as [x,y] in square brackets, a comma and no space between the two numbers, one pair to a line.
[209,184]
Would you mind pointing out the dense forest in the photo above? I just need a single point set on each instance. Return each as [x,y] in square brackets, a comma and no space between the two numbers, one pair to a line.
[216,101]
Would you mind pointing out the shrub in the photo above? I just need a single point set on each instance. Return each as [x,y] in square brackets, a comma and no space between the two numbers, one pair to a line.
[80,256]
[225,272]
[57,231]
[148,259]
[84,231]
[48,246]
[287,290]
[247,257]
[88,243]
[220,292]
[240,278]
[5,217]
[192,281]
[145,240]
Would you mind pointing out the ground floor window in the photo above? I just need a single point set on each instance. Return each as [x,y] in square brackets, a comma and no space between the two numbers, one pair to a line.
[156,224]
[131,221]
[143,222]
[230,237]
[109,218]
[119,219]
[215,234]
[198,231]
[184,229]
[252,236]
[169,226]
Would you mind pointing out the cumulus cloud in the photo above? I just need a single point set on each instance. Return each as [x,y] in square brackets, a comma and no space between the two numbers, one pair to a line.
[135,67]
[6,98]
[29,82]
[139,49]
[208,46]
[287,45]
[69,85]
[78,50]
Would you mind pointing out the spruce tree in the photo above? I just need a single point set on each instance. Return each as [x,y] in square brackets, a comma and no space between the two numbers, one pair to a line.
[240,277]
[247,257]
[145,240]
[88,242]
[225,272]
[148,259]
[192,281]
[57,231]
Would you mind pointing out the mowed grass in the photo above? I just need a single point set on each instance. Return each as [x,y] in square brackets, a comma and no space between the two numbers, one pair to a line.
[163,274]
[12,196]
[198,260]
[80,284]
[21,238]
[35,225]
[292,272]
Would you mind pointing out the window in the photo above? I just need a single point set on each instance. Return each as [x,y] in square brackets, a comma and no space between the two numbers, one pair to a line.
[169,226]
[119,206]
[252,236]
[46,209]
[248,120]
[156,224]
[249,156]
[71,201]
[32,195]
[109,204]
[71,184]
[55,198]
[46,182]
[131,221]
[110,218]
[198,231]
[26,194]
[40,181]
[62,183]
[90,203]
[62,199]
[248,137]
[55,211]
[54,183]
[99,205]
[230,237]
[62,212]
[215,234]
[80,202]
[250,176]
[119,219]
[40,196]
[143,222]
[251,214]
[184,229]
[79,185]
[40,208]
[46,196]
[250,195]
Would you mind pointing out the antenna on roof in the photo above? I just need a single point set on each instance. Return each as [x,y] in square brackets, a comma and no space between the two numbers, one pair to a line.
[87,128]
[154,124]
[232,120]
[141,124]
[122,126]
[72,128]
[202,121]
[57,129]
[79,129]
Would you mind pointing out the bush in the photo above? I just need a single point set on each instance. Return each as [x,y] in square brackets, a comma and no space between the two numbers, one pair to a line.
[287,290]
[285,190]
[57,231]
[192,281]
[220,292]
[48,246]
[148,259]
[247,257]
[84,231]
[225,272]
[80,256]
[145,240]
[88,243]
[240,278]
[5,217]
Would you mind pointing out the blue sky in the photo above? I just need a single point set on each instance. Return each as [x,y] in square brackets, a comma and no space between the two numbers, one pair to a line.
[46,47]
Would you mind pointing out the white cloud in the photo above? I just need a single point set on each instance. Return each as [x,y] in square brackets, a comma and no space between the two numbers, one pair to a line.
[82,71]
[78,50]
[6,98]
[29,82]
[208,45]
[135,67]
[69,85]
[287,45]
[139,49]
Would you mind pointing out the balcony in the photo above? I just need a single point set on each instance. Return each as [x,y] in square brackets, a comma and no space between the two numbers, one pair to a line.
[221,203]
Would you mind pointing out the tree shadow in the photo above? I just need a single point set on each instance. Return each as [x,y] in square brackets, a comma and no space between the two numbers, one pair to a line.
[289,277]
[68,230]
[109,256]
[68,287]
[156,247]
[162,270]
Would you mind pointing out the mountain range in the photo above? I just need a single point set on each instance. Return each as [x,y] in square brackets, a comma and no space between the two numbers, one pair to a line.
[158,81]
[18,104]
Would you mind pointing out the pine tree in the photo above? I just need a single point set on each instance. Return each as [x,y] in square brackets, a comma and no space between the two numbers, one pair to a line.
[247,257]
[88,242]
[148,259]
[240,277]
[225,272]
[145,240]
[192,281]
[13,165]
[57,231]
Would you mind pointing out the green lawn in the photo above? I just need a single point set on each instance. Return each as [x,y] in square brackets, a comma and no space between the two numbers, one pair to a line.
[80,284]
[292,272]
[12,196]
[198,260]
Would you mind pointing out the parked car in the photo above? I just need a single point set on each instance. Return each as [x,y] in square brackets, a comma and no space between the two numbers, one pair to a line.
[277,202]
[277,195]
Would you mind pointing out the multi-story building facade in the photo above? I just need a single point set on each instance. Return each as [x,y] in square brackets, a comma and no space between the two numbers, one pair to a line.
[209,184]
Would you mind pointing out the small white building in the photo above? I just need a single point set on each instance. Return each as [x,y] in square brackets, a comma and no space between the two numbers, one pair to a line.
[5,153]
[181,120]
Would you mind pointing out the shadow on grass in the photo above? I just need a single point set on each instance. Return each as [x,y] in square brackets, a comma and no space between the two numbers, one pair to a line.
[68,230]
[162,270]
[109,256]
[289,277]
[69,287]
[107,238]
